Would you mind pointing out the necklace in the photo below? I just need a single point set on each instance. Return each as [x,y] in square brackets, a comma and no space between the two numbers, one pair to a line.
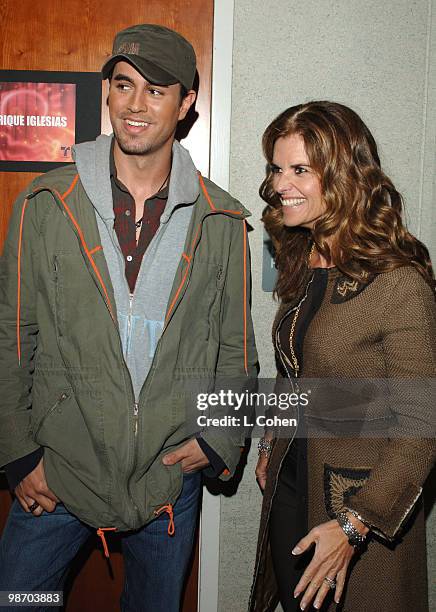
[138,223]
[294,361]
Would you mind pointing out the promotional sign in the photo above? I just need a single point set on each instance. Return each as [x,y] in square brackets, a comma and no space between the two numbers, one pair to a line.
[37,121]
[43,114]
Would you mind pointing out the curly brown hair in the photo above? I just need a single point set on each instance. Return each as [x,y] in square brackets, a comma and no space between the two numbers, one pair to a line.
[362,230]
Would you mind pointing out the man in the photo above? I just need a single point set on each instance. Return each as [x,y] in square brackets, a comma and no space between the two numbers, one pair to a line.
[123,276]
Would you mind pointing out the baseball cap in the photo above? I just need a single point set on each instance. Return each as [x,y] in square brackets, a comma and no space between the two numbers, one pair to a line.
[161,55]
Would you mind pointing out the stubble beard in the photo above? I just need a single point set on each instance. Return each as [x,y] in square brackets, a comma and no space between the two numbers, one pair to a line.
[130,147]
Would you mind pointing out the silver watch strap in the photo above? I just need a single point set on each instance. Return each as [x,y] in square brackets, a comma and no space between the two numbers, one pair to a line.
[355,538]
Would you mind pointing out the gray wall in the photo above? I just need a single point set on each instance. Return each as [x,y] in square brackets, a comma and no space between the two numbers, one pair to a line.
[380,59]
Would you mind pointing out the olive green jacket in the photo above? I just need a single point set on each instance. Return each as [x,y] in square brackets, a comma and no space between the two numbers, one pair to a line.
[64,384]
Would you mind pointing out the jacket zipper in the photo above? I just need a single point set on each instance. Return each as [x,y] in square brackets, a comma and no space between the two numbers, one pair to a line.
[129,323]
[136,405]
[63,396]
[135,415]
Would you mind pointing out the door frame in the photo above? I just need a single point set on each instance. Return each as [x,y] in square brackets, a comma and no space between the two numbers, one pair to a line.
[208,573]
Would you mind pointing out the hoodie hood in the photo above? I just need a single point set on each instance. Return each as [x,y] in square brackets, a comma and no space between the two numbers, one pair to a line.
[93,164]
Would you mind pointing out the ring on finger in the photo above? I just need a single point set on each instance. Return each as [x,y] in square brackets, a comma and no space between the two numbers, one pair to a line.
[34,506]
[331,582]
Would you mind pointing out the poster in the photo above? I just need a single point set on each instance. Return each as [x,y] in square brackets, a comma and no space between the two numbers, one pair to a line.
[43,114]
[37,121]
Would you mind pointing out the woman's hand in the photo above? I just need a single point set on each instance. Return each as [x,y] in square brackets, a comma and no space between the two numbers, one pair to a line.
[260,471]
[265,447]
[332,556]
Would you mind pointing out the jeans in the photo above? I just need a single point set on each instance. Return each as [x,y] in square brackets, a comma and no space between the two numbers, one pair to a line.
[36,552]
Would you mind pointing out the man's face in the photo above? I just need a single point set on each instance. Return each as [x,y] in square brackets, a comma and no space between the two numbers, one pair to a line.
[144,117]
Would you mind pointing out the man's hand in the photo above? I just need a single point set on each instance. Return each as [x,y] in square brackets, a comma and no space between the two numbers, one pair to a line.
[33,488]
[190,455]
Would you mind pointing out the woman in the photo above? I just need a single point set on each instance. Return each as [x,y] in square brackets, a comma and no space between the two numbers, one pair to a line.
[357,303]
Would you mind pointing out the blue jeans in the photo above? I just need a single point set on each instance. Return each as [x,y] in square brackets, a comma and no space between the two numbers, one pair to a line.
[36,552]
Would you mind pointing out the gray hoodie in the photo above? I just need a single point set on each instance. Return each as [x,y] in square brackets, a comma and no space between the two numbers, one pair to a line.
[141,314]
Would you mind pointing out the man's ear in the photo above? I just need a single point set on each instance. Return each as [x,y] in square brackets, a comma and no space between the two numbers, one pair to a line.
[186,104]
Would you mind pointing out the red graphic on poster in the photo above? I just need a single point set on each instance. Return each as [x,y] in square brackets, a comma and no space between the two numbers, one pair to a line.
[37,121]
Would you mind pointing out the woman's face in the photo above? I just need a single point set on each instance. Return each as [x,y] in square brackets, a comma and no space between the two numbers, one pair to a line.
[296,183]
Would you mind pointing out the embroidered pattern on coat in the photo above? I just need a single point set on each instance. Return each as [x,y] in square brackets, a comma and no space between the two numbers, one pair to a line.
[346,288]
[339,485]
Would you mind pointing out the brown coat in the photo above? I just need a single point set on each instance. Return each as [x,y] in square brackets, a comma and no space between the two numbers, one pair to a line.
[384,330]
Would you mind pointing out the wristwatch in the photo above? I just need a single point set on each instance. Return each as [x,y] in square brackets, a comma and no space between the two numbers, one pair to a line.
[356,539]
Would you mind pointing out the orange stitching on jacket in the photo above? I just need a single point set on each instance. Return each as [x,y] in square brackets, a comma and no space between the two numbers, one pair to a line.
[88,254]
[188,259]
[203,186]
[20,240]
[211,204]
[169,510]
[178,291]
[194,241]
[100,533]
[71,187]
[95,249]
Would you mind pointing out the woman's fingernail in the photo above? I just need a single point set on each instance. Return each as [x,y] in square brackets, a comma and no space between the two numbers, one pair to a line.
[302,606]
[296,550]
[316,605]
[296,594]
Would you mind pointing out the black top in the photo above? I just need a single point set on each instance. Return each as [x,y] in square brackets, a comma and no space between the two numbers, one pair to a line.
[308,309]
[293,473]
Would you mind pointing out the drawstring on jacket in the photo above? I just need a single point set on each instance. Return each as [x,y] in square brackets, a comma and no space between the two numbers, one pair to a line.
[169,510]
[171,527]
[100,533]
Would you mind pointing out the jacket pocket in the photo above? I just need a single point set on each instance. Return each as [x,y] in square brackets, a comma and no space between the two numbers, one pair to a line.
[56,406]
[213,313]
[77,301]
[200,309]
[59,319]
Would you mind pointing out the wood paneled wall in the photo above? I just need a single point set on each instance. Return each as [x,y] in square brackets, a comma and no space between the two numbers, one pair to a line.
[76,35]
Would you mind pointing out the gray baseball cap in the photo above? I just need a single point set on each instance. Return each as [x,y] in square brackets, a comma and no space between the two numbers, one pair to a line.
[161,55]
